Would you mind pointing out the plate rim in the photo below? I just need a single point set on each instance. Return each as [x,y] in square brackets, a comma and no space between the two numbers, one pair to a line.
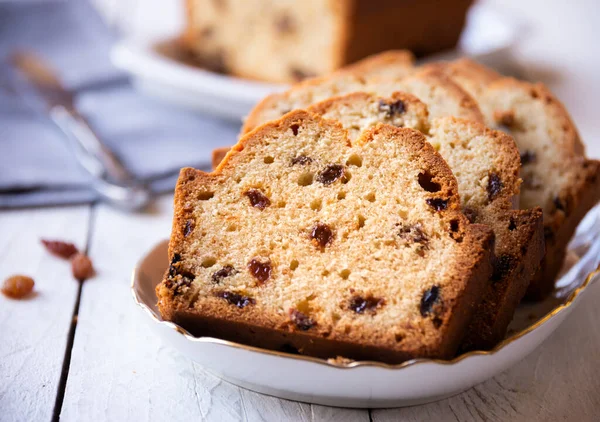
[362,363]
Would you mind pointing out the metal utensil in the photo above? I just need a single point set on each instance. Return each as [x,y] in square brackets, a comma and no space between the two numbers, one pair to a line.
[112,181]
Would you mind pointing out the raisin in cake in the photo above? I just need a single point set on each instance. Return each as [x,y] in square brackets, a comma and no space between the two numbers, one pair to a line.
[486,164]
[302,240]
[557,175]
[286,41]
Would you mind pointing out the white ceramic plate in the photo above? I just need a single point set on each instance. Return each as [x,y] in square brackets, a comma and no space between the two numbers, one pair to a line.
[487,36]
[374,384]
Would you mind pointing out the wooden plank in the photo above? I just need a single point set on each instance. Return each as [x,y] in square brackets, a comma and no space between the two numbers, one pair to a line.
[334,414]
[121,371]
[34,331]
[258,407]
[558,381]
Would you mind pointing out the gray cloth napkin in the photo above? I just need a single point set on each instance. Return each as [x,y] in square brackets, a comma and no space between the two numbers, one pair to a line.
[153,139]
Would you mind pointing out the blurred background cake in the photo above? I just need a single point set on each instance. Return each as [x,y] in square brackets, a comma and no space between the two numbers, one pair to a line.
[289,40]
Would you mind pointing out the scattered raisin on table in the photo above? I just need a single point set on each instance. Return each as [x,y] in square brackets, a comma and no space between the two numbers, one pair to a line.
[82,267]
[59,248]
[17,286]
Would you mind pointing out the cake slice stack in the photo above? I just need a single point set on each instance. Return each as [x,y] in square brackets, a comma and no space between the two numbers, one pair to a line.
[371,214]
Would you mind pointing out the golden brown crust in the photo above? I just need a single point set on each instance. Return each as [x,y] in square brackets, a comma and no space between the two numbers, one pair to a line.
[519,241]
[359,109]
[462,285]
[218,154]
[421,151]
[519,248]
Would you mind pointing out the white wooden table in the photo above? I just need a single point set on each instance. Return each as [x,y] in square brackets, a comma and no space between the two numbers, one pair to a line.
[86,354]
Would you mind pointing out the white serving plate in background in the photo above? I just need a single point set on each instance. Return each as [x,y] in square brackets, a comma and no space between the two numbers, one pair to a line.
[374,384]
[487,36]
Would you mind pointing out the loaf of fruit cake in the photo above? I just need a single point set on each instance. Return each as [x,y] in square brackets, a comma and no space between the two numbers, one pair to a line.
[289,40]
[303,240]
[557,175]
